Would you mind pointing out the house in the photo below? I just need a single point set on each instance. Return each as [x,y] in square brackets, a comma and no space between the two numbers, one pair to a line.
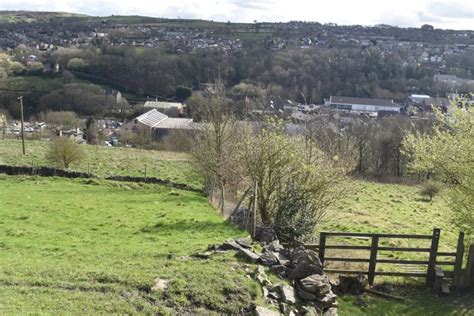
[363,105]
[159,124]
[74,133]
[173,109]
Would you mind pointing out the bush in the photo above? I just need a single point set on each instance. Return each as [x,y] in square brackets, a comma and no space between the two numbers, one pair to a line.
[429,189]
[294,222]
[77,64]
[64,152]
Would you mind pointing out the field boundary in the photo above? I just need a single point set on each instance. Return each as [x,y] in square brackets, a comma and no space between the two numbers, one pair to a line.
[56,172]
[461,277]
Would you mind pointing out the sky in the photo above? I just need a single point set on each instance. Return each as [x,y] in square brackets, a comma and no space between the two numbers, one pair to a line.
[455,14]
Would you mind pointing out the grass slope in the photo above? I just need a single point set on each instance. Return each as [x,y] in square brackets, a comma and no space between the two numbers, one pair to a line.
[392,208]
[86,213]
[88,246]
[106,161]
[389,208]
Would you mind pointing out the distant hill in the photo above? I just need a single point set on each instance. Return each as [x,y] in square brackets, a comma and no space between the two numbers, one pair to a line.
[35,16]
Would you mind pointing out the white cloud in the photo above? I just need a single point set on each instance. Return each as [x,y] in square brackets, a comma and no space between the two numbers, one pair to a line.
[457,14]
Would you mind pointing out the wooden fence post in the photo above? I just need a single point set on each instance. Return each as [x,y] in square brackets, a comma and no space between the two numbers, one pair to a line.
[430,275]
[322,246]
[470,268]
[373,258]
[255,208]
[457,275]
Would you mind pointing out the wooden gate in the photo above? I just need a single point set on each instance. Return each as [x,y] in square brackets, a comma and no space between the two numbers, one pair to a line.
[435,258]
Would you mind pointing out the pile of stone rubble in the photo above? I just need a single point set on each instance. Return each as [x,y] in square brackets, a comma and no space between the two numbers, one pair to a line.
[306,291]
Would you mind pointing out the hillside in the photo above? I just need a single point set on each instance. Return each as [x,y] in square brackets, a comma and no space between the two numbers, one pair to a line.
[107,161]
[392,208]
[34,16]
[97,247]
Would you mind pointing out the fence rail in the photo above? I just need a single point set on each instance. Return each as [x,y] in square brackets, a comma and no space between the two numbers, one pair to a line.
[429,274]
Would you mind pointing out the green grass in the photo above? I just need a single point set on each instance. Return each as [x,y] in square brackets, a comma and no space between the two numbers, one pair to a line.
[392,208]
[106,161]
[389,208]
[422,302]
[48,224]
[89,246]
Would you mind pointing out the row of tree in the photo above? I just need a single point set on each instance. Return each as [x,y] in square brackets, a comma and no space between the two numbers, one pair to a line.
[295,178]
[293,73]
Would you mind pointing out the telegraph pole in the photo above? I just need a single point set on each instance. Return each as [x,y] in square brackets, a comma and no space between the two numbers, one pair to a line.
[22,125]
[4,125]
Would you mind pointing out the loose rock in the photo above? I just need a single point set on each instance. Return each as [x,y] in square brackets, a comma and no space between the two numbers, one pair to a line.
[287,293]
[352,284]
[279,270]
[230,244]
[305,263]
[331,312]
[307,296]
[268,258]
[244,242]
[263,311]
[265,234]
[316,283]
[248,255]
[329,300]
[160,284]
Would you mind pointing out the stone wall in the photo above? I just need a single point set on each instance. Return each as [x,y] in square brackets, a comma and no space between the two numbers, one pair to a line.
[55,172]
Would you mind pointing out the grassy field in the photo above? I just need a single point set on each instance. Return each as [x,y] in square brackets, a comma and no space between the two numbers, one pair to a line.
[107,161]
[103,244]
[86,246]
[96,246]
[31,16]
[393,208]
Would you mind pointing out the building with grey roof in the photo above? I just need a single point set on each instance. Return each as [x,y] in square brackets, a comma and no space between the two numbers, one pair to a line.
[362,104]
[159,124]
[173,109]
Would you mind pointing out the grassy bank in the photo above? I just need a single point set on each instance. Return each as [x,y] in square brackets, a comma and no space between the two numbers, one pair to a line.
[107,161]
[93,246]
[88,246]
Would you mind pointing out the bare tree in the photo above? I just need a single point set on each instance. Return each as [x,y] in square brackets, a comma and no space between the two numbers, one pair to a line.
[214,147]
[62,119]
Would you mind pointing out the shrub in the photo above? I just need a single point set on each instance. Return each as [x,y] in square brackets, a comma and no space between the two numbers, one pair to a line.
[294,222]
[429,189]
[77,64]
[64,152]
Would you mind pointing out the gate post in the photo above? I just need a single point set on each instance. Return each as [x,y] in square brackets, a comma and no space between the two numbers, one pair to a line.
[430,275]
[470,268]
[457,275]
[373,258]
[322,246]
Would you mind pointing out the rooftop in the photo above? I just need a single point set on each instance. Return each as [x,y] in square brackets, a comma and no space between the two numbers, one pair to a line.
[362,101]
[162,105]
[152,118]
[155,119]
